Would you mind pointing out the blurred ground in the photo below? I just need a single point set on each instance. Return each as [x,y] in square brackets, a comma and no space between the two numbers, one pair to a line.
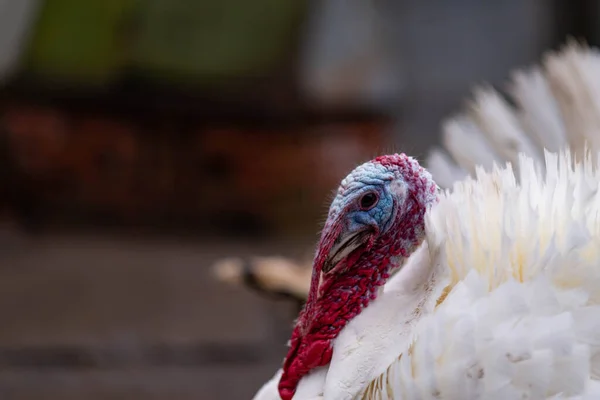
[107,317]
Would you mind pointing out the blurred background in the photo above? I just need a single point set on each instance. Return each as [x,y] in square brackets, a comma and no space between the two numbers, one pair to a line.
[141,140]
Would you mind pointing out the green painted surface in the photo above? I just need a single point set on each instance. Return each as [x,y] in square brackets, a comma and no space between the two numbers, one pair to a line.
[215,39]
[93,41]
[81,40]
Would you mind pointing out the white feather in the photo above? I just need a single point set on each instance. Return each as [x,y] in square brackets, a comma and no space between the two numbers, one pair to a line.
[501,126]
[538,111]
[268,391]
[444,171]
[557,105]
[575,82]
[465,142]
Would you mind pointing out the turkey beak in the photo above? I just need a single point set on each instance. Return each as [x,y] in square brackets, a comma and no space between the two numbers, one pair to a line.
[343,246]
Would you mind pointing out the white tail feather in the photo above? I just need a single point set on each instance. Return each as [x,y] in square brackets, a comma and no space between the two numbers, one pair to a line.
[557,106]
[467,144]
[444,170]
[538,111]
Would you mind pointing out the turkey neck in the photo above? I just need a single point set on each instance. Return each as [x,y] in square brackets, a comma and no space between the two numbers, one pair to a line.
[342,299]
[335,299]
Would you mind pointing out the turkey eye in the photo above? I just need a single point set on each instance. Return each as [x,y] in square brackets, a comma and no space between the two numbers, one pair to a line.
[368,201]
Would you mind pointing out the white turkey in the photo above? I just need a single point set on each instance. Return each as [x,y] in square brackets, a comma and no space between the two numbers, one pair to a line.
[497,294]
[499,297]
[558,104]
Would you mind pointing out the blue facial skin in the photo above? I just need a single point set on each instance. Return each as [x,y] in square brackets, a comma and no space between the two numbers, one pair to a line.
[362,225]
[380,217]
[346,207]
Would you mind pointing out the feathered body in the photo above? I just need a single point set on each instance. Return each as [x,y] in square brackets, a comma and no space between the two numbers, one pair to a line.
[521,268]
